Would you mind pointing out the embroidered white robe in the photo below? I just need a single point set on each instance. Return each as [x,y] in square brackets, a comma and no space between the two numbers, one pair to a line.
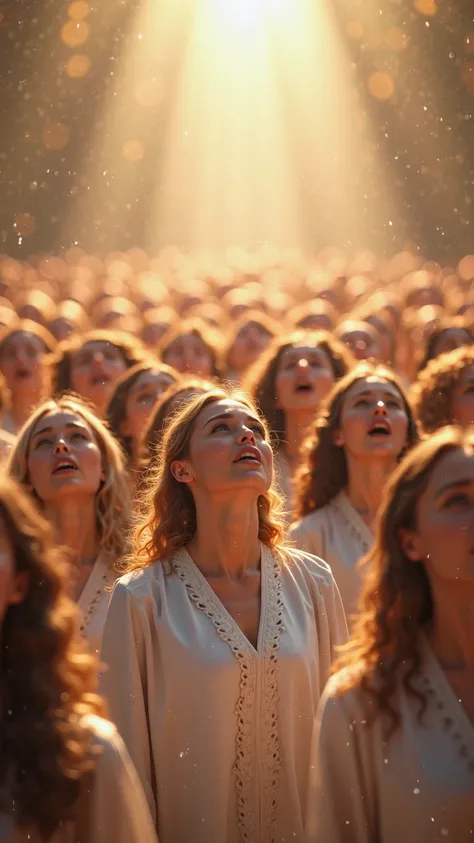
[417,788]
[94,602]
[338,535]
[220,731]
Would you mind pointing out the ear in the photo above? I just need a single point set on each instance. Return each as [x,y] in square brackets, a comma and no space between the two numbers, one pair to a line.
[18,589]
[181,471]
[411,545]
[338,438]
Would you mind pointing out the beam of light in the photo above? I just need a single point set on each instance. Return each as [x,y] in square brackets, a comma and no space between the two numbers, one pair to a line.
[261,143]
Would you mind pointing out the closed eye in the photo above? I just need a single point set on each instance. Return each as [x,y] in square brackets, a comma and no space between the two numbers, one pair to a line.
[362,402]
[43,441]
[78,435]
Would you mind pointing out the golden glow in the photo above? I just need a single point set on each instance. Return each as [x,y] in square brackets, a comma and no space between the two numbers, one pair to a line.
[78,66]
[428,8]
[381,85]
[466,268]
[55,135]
[78,10]
[24,224]
[133,150]
[396,39]
[355,30]
[75,33]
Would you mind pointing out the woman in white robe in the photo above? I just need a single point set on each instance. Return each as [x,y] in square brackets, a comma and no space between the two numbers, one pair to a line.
[74,469]
[364,427]
[393,749]
[289,382]
[65,775]
[219,640]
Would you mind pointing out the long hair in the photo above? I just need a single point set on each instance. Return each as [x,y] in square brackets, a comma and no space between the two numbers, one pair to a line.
[116,409]
[61,363]
[112,503]
[260,381]
[168,520]
[431,394]
[396,604]
[445,325]
[47,685]
[324,472]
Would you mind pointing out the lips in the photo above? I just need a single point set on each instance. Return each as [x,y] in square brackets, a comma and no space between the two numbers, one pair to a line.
[64,465]
[249,455]
[22,373]
[303,387]
[99,379]
[380,428]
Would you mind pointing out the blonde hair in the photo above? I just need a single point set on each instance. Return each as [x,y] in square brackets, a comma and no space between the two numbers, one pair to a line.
[113,504]
[169,515]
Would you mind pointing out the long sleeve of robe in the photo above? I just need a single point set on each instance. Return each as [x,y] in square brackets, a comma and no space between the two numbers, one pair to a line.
[219,730]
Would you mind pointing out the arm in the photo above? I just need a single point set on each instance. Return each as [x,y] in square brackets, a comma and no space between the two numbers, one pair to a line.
[341,798]
[125,646]
[118,810]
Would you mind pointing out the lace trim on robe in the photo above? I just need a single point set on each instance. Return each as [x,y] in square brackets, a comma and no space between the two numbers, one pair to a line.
[248,659]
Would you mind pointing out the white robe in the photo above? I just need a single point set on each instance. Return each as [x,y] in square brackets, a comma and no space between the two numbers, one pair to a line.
[94,603]
[219,730]
[338,535]
[417,788]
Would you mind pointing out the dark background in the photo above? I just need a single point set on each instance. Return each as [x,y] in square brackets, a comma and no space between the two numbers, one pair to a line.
[425,133]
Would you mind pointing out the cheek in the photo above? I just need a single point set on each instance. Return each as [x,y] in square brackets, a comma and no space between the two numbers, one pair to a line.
[462,410]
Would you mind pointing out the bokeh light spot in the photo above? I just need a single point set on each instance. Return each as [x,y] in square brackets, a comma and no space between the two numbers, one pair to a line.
[55,135]
[355,30]
[466,268]
[78,10]
[428,8]
[24,224]
[469,44]
[78,66]
[133,151]
[381,85]
[75,33]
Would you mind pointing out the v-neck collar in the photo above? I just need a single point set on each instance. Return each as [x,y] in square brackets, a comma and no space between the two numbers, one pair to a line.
[455,715]
[206,599]
[356,524]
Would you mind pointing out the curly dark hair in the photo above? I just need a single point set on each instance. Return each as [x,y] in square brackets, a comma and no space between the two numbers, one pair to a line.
[47,683]
[131,350]
[323,473]
[260,382]
[445,325]
[396,604]
[208,336]
[431,394]
[116,410]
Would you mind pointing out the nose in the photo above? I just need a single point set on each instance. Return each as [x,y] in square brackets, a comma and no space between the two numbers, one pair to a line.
[61,447]
[380,408]
[247,437]
[98,358]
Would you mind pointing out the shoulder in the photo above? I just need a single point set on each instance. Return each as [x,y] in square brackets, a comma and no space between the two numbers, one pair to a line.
[312,523]
[107,742]
[312,567]
[141,580]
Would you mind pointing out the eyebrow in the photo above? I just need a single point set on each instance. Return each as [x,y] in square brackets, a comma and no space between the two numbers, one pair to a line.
[70,425]
[457,484]
[230,414]
[368,392]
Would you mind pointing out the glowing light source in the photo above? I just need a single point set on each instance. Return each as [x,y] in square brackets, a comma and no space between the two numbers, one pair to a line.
[428,8]
[149,92]
[355,30]
[74,33]
[381,85]
[78,66]
[133,151]
[396,39]
[78,10]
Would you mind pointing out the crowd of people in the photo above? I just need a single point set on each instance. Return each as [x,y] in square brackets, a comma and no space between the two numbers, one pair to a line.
[236,548]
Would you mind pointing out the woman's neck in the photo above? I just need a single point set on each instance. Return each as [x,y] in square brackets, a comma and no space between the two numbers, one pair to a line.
[296,429]
[452,632]
[226,540]
[76,528]
[366,483]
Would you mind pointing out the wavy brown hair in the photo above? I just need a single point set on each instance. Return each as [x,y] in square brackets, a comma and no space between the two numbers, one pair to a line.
[131,350]
[260,381]
[168,521]
[47,683]
[396,604]
[324,473]
[444,326]
[432,392]
[113,506]
[116,410]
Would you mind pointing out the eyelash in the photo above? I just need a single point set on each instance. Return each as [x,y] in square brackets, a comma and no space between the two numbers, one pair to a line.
[257,428]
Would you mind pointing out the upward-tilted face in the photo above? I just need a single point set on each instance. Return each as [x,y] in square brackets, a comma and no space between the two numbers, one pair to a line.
[229,452]
[140,402]
[374,421]
[21,363]
[303,379]
[249,343]
[64,458]
[95,369]
[443,540]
